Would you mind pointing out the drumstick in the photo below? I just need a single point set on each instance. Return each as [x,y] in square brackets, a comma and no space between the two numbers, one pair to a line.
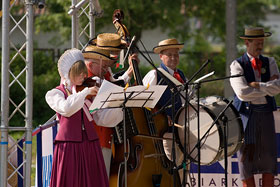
[179,126]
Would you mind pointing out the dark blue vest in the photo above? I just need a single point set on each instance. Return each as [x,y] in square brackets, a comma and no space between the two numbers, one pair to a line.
[165,99]
[241,106]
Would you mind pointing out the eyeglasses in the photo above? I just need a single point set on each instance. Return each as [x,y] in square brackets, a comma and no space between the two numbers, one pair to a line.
[175,55]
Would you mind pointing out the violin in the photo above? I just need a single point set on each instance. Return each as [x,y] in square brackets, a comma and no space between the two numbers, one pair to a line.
[88,82]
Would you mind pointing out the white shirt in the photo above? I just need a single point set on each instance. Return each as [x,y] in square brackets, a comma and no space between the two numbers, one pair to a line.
[125,77]
[151,78]
[74,102]
[241,88]
[271,88]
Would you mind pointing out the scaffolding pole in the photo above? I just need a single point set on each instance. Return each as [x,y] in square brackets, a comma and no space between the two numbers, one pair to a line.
[29,90]
[75,26]
[5,91]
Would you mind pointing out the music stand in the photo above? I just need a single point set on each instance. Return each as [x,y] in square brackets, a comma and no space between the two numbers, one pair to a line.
[119,97]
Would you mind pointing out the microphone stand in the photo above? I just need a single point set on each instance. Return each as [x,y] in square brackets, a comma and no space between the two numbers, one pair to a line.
[185,87]
[198,85]
[224,119]
[225,124]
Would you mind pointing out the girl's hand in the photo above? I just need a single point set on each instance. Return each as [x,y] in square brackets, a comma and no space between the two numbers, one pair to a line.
[93,90]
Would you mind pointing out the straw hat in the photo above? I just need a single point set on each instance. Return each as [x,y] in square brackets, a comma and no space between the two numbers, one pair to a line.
[67,59]
[109,41]
[255,33]
[95,52]
[167,44]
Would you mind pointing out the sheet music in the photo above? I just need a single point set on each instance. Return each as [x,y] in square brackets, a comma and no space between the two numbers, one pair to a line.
[170,77]
[111,96]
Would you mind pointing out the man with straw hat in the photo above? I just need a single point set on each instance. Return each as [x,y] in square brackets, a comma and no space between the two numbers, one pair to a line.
[168,51]
[113,43]
[100,55]
[258,154]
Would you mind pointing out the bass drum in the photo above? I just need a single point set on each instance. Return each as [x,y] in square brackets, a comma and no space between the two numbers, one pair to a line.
[212,146]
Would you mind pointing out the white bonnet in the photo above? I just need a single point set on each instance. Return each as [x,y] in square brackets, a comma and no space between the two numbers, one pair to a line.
[67,59]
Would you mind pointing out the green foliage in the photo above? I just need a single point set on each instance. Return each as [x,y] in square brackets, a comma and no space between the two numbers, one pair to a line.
[199,23]
[45,77]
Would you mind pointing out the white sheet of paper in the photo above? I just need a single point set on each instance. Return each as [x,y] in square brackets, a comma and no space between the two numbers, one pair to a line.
[170,77]
[111,95]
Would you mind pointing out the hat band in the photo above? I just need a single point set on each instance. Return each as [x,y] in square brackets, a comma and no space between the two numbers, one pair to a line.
[255,36]
[167,45]
[99,54]
[108,46]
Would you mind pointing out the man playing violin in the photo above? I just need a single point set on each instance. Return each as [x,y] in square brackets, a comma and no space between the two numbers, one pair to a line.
[100,56]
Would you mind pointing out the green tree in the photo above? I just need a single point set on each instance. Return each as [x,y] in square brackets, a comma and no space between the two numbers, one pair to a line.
[200,23]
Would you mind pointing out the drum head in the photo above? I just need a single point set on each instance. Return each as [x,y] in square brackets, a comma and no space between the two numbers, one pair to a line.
[209,134]
[235,134]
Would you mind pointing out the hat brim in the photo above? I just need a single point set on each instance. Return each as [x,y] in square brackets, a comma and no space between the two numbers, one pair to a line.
[111,48]
[160,48]
[265,35]
[96,55]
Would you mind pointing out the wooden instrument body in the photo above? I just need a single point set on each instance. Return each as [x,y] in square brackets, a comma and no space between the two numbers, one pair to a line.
[144,159]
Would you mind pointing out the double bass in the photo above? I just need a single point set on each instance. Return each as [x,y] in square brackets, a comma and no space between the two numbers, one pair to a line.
[147,164]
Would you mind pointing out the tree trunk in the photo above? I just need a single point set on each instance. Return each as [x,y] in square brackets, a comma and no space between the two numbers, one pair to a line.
[231,50]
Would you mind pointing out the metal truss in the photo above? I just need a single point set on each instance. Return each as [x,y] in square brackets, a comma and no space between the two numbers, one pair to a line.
[14,51]
[17,47]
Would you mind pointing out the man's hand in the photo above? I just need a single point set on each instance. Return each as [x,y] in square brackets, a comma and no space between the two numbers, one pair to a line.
[273,77]
[130,58]
[254,84]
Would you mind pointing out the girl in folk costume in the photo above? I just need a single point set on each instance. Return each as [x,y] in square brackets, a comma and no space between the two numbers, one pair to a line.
[78,159]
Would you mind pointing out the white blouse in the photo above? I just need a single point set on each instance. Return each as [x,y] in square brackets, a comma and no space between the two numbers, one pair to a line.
[74,102]
[246,93]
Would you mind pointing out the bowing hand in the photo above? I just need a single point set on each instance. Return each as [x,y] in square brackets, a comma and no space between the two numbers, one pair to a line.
[93,90]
